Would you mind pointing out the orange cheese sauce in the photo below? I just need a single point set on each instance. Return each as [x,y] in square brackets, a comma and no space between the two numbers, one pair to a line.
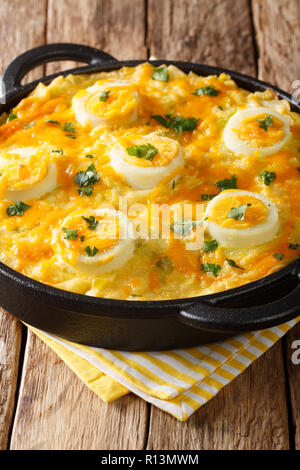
[44,129]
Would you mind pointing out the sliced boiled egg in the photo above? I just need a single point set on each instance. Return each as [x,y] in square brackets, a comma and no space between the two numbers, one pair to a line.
[106,103]
[95,241]
[144,161]
[24,183]
[239,219]
[256,129]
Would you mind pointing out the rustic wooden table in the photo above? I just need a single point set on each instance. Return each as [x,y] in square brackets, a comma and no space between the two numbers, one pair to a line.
[42,403]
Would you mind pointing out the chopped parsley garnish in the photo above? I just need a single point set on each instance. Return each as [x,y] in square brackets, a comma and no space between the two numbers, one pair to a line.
[211,268]
[227,183]
[211,245]
[294,246]
[220,107]
[90,156]
[69,127]
[28,126]
[11,117]
[70,234]
[104,96]
[206,90]
[178,123]
[91,251]
[232,263]
[265,123]
[165,265]
[184,226]
[85,179]
[58,151]
[161,74]
[71,136]
[17,209]
[268,177]
[298,168]
[278,255]
[52,121]
[173,184]
[81,238]
[207,197]
[238,213]
[92,222]
[146,151]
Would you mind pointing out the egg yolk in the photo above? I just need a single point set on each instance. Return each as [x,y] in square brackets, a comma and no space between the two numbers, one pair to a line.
[167,150]
[103,238]
[255,213]
[23,175]
[118,103]
[254,132]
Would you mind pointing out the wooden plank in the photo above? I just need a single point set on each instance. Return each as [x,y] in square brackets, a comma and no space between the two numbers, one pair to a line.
[113,26]
[249,413]
[292,352]
[201,31]
[13,40]
[10,341]
[57,411]
[243,415]
[277,27]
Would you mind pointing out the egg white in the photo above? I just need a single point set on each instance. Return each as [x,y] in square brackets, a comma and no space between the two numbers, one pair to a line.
[36,190]
[247,237]
[139,177]
[237,146]
[103,262]
[84,116]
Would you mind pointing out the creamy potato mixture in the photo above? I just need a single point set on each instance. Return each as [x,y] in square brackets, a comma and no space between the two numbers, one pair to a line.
[96,170]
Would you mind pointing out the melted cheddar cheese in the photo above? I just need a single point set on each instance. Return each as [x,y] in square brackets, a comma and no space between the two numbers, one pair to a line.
[74,151]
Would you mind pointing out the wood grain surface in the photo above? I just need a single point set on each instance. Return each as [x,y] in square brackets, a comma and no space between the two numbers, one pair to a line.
[261,408]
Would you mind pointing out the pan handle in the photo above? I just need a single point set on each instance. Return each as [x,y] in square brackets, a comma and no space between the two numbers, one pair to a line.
[27,61]
[210,317]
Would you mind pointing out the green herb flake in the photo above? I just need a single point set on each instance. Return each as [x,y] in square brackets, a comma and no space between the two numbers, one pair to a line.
[88,177]
[161,74]
[85,191]
[173,184]
[184,226]
[178,123]
[11,117]
[91,221]
[70,234]
[210,245]
[206,90]
[278,256]
[232,263]
[207,197]
[91,251]
[227,183]
[265,123]
[268,177]
[104,95]
[58,151]
[146,151]
[82,238]
[211,268]
[28,126]
[71,136]
[238,213]
[52,121]
[17,209]
[90,156]
[294,246]
[69,127]
[165,265]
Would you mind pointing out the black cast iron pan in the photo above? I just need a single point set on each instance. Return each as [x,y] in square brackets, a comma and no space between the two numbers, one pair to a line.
[141,325]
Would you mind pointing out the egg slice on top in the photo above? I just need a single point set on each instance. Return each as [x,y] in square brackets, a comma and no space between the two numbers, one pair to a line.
[240,219]
[106,103]
[256,129]
[23,182]
[95,241]
[144,161]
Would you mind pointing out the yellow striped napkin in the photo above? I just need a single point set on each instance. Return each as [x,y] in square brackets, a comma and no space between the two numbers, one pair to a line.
[178,381]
